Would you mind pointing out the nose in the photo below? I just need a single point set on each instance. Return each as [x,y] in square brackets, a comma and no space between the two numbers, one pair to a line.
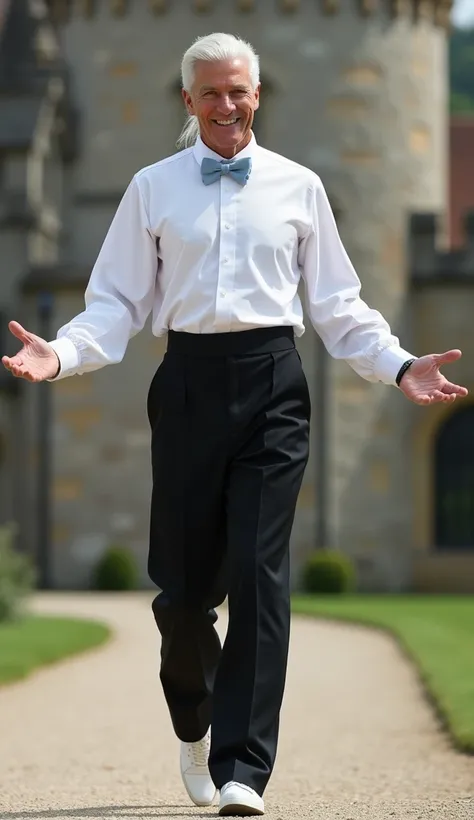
[225,104]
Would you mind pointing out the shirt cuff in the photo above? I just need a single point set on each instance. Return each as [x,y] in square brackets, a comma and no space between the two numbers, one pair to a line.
[389,362]
[68,355]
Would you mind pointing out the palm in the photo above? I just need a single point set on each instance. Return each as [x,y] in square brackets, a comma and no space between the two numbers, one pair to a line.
[36,361]
[423,383]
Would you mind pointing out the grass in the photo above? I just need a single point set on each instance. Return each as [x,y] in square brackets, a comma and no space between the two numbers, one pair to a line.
[435,632]
[36,641]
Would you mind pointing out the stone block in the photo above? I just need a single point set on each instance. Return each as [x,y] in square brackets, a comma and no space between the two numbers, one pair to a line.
[129,112]
[74,386]
[392,252]
[61,534]
[363,75]
[420,140]
[81,419]
[67,489]
[112,453]
[347,107]
[122,69]
[365,159]
[383,428]
[379,477]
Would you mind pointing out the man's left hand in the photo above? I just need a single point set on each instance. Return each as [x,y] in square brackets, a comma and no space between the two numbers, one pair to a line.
[423,383]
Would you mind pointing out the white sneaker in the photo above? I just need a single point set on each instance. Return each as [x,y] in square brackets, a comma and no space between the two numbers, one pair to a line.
[239,800]
[195,771]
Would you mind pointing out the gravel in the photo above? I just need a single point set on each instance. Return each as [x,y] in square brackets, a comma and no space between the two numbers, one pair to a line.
[91,737]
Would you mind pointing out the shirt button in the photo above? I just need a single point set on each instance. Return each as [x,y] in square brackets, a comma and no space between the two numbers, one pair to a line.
[223,292]
[227,226]
[225,260]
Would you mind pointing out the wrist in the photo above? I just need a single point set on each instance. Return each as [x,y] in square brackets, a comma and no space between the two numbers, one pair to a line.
[405,366]
[58,368]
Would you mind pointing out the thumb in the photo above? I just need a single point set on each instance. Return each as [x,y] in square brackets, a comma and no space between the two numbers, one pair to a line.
[446,358]
[19,332]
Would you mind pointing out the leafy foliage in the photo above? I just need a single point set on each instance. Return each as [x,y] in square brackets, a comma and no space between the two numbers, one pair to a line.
[17,577]
[328,572]
[461,70]
[116,570]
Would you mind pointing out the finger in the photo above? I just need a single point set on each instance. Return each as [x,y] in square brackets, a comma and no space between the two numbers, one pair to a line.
[447,357]
[449,387]
[19,331]
[22,372]
[422,399]
[435,397]
[10,361]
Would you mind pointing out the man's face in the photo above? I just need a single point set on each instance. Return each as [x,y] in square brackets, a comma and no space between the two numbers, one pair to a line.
[224,102]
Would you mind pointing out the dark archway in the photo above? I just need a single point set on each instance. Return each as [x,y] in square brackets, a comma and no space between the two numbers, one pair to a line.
[454,482]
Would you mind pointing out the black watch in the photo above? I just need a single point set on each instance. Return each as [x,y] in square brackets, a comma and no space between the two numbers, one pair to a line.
[403,370]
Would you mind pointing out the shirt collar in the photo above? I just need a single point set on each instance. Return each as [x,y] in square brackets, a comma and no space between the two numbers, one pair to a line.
[201,150]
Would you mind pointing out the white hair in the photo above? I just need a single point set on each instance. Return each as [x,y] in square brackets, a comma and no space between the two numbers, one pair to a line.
[213,47]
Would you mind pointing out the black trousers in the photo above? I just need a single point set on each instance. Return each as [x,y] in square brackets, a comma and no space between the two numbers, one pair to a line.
[229,415]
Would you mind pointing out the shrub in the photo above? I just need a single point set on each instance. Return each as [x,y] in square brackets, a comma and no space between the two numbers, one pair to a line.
[116,570]
[328,571]
[17,576]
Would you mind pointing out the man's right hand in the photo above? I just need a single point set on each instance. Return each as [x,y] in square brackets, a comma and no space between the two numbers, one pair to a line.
[36,361]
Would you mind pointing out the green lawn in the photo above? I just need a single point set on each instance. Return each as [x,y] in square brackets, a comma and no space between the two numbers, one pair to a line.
[436,632]
[36,641]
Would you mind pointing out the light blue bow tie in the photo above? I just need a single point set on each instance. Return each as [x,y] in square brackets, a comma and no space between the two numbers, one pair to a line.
[238,169]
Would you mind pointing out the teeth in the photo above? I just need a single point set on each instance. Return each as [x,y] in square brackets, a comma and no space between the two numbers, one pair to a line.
[226,122]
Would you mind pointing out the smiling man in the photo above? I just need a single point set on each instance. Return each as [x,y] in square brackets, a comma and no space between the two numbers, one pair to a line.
[214,241]
[224,99]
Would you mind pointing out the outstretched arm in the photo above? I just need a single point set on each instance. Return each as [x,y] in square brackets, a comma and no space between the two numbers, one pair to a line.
[349,328]
[118,300]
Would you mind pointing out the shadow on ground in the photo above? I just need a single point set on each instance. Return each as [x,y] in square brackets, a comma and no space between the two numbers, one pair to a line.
[87,812]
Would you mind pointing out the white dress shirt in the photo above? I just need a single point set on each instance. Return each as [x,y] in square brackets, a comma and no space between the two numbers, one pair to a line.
[221,258]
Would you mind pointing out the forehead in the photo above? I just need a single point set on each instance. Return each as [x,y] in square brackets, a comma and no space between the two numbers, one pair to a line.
[221,74]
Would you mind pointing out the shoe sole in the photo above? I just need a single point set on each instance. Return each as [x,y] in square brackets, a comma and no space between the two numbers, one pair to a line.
[239,810]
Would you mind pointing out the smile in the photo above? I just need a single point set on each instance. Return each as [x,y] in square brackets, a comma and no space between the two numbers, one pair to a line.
[225,123]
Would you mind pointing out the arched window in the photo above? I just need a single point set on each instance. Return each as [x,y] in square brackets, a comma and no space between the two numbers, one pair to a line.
[454,482]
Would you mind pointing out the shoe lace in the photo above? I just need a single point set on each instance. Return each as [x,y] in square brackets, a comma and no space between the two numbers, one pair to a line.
[199,752]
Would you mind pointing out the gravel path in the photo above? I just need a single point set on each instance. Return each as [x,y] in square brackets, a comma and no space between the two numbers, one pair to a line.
[91,737]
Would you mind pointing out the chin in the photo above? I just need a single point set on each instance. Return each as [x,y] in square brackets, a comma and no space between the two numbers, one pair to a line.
[228,136]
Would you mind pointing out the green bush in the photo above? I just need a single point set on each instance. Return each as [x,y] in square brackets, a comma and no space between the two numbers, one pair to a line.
[17,577]
[328,572]
[116,570]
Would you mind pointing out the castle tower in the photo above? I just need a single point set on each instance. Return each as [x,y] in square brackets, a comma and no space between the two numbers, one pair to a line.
[356,90]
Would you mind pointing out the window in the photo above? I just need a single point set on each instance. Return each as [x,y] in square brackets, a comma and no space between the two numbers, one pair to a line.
[454,482]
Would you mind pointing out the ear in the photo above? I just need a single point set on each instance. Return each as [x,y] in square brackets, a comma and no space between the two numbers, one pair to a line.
[257,96]
[187,101]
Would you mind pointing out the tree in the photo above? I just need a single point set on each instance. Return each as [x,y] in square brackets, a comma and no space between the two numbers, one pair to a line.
[461,70]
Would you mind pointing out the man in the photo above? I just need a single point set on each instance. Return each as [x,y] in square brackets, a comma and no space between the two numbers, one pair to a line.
[214,241]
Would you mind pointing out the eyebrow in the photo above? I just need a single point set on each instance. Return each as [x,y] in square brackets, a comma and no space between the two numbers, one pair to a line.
[240,87]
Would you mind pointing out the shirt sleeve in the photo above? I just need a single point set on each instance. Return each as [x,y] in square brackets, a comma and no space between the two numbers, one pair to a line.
[348,327]
[119,295]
